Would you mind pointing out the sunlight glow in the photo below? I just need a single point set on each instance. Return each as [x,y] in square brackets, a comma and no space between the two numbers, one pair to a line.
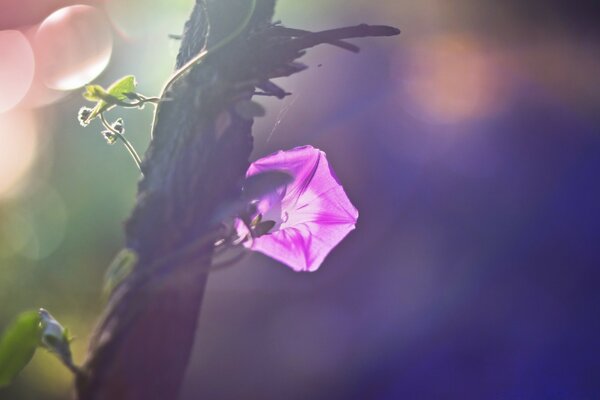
[135,19]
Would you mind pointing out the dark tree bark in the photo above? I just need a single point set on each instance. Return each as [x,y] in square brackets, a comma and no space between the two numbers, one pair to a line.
[195,163]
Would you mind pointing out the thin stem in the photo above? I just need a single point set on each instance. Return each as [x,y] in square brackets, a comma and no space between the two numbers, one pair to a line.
[128,145]
[139,103]
[200,56]
[131,150]
[187,66]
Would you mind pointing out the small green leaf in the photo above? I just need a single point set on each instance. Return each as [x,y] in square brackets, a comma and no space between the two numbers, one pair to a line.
[95,93]
[18,345]
[107,99]
[122,86]
[119,269]
[67,337]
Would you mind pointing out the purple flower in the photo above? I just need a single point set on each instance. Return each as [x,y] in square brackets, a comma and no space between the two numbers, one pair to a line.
[312,214]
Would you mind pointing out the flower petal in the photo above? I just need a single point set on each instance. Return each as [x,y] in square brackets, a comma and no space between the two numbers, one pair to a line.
[302,247]
[316,213]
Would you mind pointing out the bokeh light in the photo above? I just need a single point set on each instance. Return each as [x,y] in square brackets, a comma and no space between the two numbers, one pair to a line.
[16,68]
[39,94]
[18,145]
[73,46]
[446,79]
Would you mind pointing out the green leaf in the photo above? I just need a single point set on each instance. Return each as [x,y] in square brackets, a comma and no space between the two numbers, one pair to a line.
[95,93]
[18,345]
[119,269]
[120,88]
[109,98]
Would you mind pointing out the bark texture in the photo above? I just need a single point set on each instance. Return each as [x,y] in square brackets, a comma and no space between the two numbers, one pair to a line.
[195,163]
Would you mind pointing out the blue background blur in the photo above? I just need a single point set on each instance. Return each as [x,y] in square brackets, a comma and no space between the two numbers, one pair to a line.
[470,145]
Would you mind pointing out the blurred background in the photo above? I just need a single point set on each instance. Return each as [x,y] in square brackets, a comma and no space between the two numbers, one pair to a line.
[470,145]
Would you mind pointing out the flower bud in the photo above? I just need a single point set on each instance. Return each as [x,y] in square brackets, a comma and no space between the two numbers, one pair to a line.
[110,137]
[84,115]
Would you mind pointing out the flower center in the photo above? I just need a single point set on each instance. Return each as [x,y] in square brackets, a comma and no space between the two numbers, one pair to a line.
[270,208]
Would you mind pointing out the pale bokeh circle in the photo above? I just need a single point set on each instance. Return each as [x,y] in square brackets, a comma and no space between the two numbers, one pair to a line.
[39,94]
[447,79]
[16,68]
[73,46]
[18,149]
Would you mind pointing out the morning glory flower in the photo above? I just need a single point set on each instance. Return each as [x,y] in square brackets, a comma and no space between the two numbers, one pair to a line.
[311,214]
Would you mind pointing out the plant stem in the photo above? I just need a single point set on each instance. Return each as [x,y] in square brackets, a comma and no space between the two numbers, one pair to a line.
[126,143]
[141,102]
[187,67]
[131,150]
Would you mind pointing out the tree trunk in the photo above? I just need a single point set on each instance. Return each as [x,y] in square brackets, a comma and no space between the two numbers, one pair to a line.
[195,164]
